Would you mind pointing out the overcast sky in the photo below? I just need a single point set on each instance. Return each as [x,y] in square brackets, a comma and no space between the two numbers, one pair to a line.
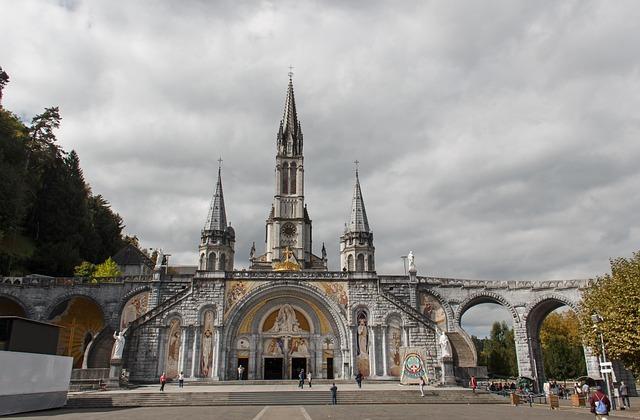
[497,139]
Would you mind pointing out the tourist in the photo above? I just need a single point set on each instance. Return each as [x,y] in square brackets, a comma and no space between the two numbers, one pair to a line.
[181,380]
[240,372]
[301,379]
[309,378]
[422,384]
[576,389]
[334,394]
[473,383]
[163,381]
[624,394]
[585,389]
[600,404]
[359,379]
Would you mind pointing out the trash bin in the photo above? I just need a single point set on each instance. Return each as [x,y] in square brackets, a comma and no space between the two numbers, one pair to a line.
[577,400]
[515,399]
[554,401]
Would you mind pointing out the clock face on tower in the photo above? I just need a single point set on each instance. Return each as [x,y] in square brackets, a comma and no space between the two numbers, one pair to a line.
[288,230]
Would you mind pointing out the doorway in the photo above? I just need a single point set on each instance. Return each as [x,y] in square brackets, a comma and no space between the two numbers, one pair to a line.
[244,361]
[329,367]
[272,368]
[298,363]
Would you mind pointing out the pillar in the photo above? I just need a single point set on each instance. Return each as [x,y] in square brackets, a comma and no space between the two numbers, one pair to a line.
[183,348]
[372,352]
[384,350]
[194,353]
[216,354]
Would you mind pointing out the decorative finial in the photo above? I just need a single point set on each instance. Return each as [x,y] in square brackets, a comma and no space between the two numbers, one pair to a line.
[356,162]
[220,162]
[290,71]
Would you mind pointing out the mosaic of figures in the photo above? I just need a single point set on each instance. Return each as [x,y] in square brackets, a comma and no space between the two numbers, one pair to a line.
[134,309]
[173,349]
[206,353]
[431,307]
[362,357]
[236,290]
[394,343]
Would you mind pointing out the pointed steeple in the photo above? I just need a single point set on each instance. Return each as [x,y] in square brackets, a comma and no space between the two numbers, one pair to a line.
[217,218]
[290,132]
[359,221]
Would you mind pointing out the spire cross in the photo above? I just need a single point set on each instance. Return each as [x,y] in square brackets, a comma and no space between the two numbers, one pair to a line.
[290,71]
[357,162]
[219,162]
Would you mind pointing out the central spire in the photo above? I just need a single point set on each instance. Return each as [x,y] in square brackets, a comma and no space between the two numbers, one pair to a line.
[217,217]
[290,132]
[359,221]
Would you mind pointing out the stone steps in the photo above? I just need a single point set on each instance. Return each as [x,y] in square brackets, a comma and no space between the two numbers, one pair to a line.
[320,397]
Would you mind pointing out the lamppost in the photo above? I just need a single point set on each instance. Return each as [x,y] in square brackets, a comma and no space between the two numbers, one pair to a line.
[605,366]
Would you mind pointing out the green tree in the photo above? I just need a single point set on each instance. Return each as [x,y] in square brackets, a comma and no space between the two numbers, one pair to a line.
[4,79]
[562,350]
[109,268]
[499,351]
[85,269]
[616,298]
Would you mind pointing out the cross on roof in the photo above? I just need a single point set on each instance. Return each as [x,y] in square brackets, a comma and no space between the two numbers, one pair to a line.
[220,162]
[357,162]
[290,71]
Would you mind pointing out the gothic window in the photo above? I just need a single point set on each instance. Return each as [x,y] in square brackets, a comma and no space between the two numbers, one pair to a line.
[360,263]
[211,265]
[285,178]
[293,177]
[223,262]
[370,266]
[350,263]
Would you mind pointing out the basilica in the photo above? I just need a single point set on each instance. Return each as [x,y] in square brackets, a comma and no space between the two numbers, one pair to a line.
[287,312]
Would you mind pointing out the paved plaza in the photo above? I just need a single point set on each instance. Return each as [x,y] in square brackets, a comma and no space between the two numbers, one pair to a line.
[405,412]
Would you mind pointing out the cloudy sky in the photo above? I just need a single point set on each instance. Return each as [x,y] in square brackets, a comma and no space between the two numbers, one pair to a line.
[497,139]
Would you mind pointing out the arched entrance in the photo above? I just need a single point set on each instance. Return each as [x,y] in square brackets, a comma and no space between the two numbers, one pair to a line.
[280,329]
[81,319]
[11,307]
[558,343]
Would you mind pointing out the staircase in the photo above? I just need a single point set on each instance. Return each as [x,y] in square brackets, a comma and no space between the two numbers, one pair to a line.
[161,308]
[307,397]
[408,309]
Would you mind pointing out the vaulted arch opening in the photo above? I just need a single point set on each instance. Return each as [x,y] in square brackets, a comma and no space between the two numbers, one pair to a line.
[11,307]
[81,319]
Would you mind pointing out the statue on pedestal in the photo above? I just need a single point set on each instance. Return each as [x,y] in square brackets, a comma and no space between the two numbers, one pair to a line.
[445,345]
[412,264]
[118,345]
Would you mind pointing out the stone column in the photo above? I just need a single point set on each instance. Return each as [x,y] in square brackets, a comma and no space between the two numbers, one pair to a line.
[405,336]
[194,353]
[183,348]
[216,354]
[372,352]
[252,364]
[384,350]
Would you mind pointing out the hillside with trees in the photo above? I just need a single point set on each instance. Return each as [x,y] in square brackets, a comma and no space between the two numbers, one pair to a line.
[50,220]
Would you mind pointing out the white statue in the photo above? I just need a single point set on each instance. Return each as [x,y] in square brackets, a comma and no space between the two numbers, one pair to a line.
[159,258]
[412,264]
[445,345]
[118,345]
[286,320]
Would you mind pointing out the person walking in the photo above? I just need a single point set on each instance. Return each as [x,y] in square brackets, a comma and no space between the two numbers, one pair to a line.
[585,390]
[422,384]
[600,404]
[624,395]
[334,394]
[301,379]
[163,381]
[359,379]
[309,378]
[181,380]
[240,372]
[473,383]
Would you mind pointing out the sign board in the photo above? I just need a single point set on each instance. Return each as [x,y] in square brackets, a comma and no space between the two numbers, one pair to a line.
[605,364]
[606,370]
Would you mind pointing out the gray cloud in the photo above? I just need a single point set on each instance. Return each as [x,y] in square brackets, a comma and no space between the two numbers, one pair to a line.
[497,139]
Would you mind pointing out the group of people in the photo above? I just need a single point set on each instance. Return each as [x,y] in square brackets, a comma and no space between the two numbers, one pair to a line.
[502,386]
[301,378]
[163,380]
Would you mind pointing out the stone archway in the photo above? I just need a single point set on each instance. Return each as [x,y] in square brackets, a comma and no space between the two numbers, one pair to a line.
[10,306]
[281,328]
[535,314]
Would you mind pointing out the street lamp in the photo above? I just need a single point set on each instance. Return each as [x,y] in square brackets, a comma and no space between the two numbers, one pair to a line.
[605,366]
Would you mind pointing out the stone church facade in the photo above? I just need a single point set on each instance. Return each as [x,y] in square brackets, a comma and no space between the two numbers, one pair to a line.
[287,311]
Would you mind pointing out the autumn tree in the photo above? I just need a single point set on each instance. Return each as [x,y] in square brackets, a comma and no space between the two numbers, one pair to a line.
[109,268]
[616,298]
[561,343]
